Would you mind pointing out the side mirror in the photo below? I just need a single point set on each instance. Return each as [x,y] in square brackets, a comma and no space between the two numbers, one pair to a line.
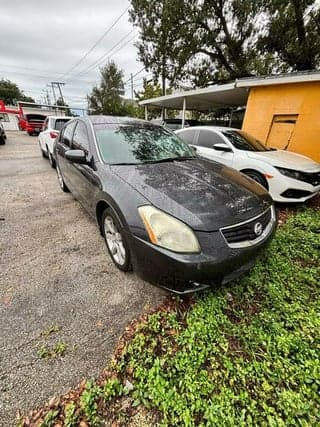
[222,147]
[193,147]
[76,156]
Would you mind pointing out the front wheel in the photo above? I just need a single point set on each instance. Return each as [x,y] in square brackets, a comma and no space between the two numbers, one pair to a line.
[61,181]
[256,176]
[115,240]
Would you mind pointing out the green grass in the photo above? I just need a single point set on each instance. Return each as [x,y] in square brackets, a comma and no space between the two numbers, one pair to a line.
[247,354]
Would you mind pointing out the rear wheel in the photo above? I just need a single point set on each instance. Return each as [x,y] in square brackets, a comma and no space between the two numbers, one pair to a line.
[61,180]
[51,159]
[258,177]
[42,152]
[2,140]
[115,240]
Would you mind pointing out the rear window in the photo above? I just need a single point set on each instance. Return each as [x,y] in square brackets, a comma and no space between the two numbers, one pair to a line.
[59,123]
[35,117]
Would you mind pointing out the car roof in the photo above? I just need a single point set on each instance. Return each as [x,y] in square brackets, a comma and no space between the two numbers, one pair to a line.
[60,117]
[208,127]
[117,120]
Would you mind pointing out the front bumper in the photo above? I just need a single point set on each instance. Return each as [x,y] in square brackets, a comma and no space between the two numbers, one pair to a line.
[218,263]
[288,190]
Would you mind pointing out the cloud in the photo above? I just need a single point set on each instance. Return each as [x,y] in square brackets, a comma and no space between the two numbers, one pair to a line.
[41,41]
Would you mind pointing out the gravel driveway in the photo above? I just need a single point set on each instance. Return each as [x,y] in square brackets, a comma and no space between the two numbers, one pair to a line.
[57,284]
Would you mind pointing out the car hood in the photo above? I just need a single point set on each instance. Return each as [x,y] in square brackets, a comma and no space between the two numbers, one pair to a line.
[205,195]
[286,159]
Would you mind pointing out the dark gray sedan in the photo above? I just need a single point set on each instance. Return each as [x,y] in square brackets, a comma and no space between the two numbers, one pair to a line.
[180,221]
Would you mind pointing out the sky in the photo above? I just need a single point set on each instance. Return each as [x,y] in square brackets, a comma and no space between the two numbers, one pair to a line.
[43,41]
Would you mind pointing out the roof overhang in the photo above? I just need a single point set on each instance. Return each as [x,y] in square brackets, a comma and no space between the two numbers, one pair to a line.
[233,94]
[206,99]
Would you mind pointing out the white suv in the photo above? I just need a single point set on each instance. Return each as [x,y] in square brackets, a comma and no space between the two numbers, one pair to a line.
[50,130]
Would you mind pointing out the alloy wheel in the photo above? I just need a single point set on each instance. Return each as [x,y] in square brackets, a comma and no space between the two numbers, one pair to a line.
[114,241]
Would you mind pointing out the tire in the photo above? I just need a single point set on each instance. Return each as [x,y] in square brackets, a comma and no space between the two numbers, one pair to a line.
[256,176]
[2,140]
[61,181]
[30,133]
[116,241]
[42,152]
[51,159]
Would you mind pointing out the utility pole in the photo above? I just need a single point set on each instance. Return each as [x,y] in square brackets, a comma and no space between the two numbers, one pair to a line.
[54,94]
[48,97]
[131,80]
[58,85]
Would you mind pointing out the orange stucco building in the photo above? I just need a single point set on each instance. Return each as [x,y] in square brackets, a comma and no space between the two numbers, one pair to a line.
[286,116]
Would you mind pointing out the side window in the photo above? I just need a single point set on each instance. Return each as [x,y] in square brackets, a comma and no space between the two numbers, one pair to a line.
[80,138]
[66,135]
[208,139]
[187,136]
[45,124]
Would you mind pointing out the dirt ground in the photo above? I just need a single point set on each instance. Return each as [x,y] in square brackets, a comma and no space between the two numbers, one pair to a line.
[57,285]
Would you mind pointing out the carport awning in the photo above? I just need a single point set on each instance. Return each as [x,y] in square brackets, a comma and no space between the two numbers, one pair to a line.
[205,99]
[233,94]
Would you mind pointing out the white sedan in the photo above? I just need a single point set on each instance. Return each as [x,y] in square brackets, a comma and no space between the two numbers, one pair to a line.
[289,177]
[50,130]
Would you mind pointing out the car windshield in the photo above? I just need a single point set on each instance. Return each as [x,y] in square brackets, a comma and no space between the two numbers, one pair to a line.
[243,141]
[59,123]
[132,144]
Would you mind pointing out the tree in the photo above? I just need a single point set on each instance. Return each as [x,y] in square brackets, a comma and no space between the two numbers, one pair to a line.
[212,41]
[62,103]
[292,33]
[155,20]
[205,42]
[11,94]
[149,91]
[105,98]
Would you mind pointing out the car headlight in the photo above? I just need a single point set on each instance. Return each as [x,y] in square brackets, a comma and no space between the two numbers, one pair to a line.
[167,231]
[291,173]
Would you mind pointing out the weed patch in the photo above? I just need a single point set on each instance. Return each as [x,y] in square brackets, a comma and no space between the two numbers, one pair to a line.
[247,354]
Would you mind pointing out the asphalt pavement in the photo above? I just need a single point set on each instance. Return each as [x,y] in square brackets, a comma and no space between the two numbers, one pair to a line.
[58,286]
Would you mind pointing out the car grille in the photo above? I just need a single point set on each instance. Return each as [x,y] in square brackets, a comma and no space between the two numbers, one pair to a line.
[246,231]
[295,194]
[311,178]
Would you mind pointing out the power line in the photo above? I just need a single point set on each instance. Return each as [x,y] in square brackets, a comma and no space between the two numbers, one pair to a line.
[96,43]
[134,75]
[38,76]
[27,68]
[96,63]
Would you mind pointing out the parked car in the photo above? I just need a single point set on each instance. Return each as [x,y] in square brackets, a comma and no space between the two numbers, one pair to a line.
[3,136]
[289,177]
[50,130]
[174,124]
[179,220]
[32,123]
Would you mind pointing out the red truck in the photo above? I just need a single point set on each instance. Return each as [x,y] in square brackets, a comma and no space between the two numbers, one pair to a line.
[32,123]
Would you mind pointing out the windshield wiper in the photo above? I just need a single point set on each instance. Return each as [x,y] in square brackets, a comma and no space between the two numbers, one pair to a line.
[123,164]
[170,159]
[181,158]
